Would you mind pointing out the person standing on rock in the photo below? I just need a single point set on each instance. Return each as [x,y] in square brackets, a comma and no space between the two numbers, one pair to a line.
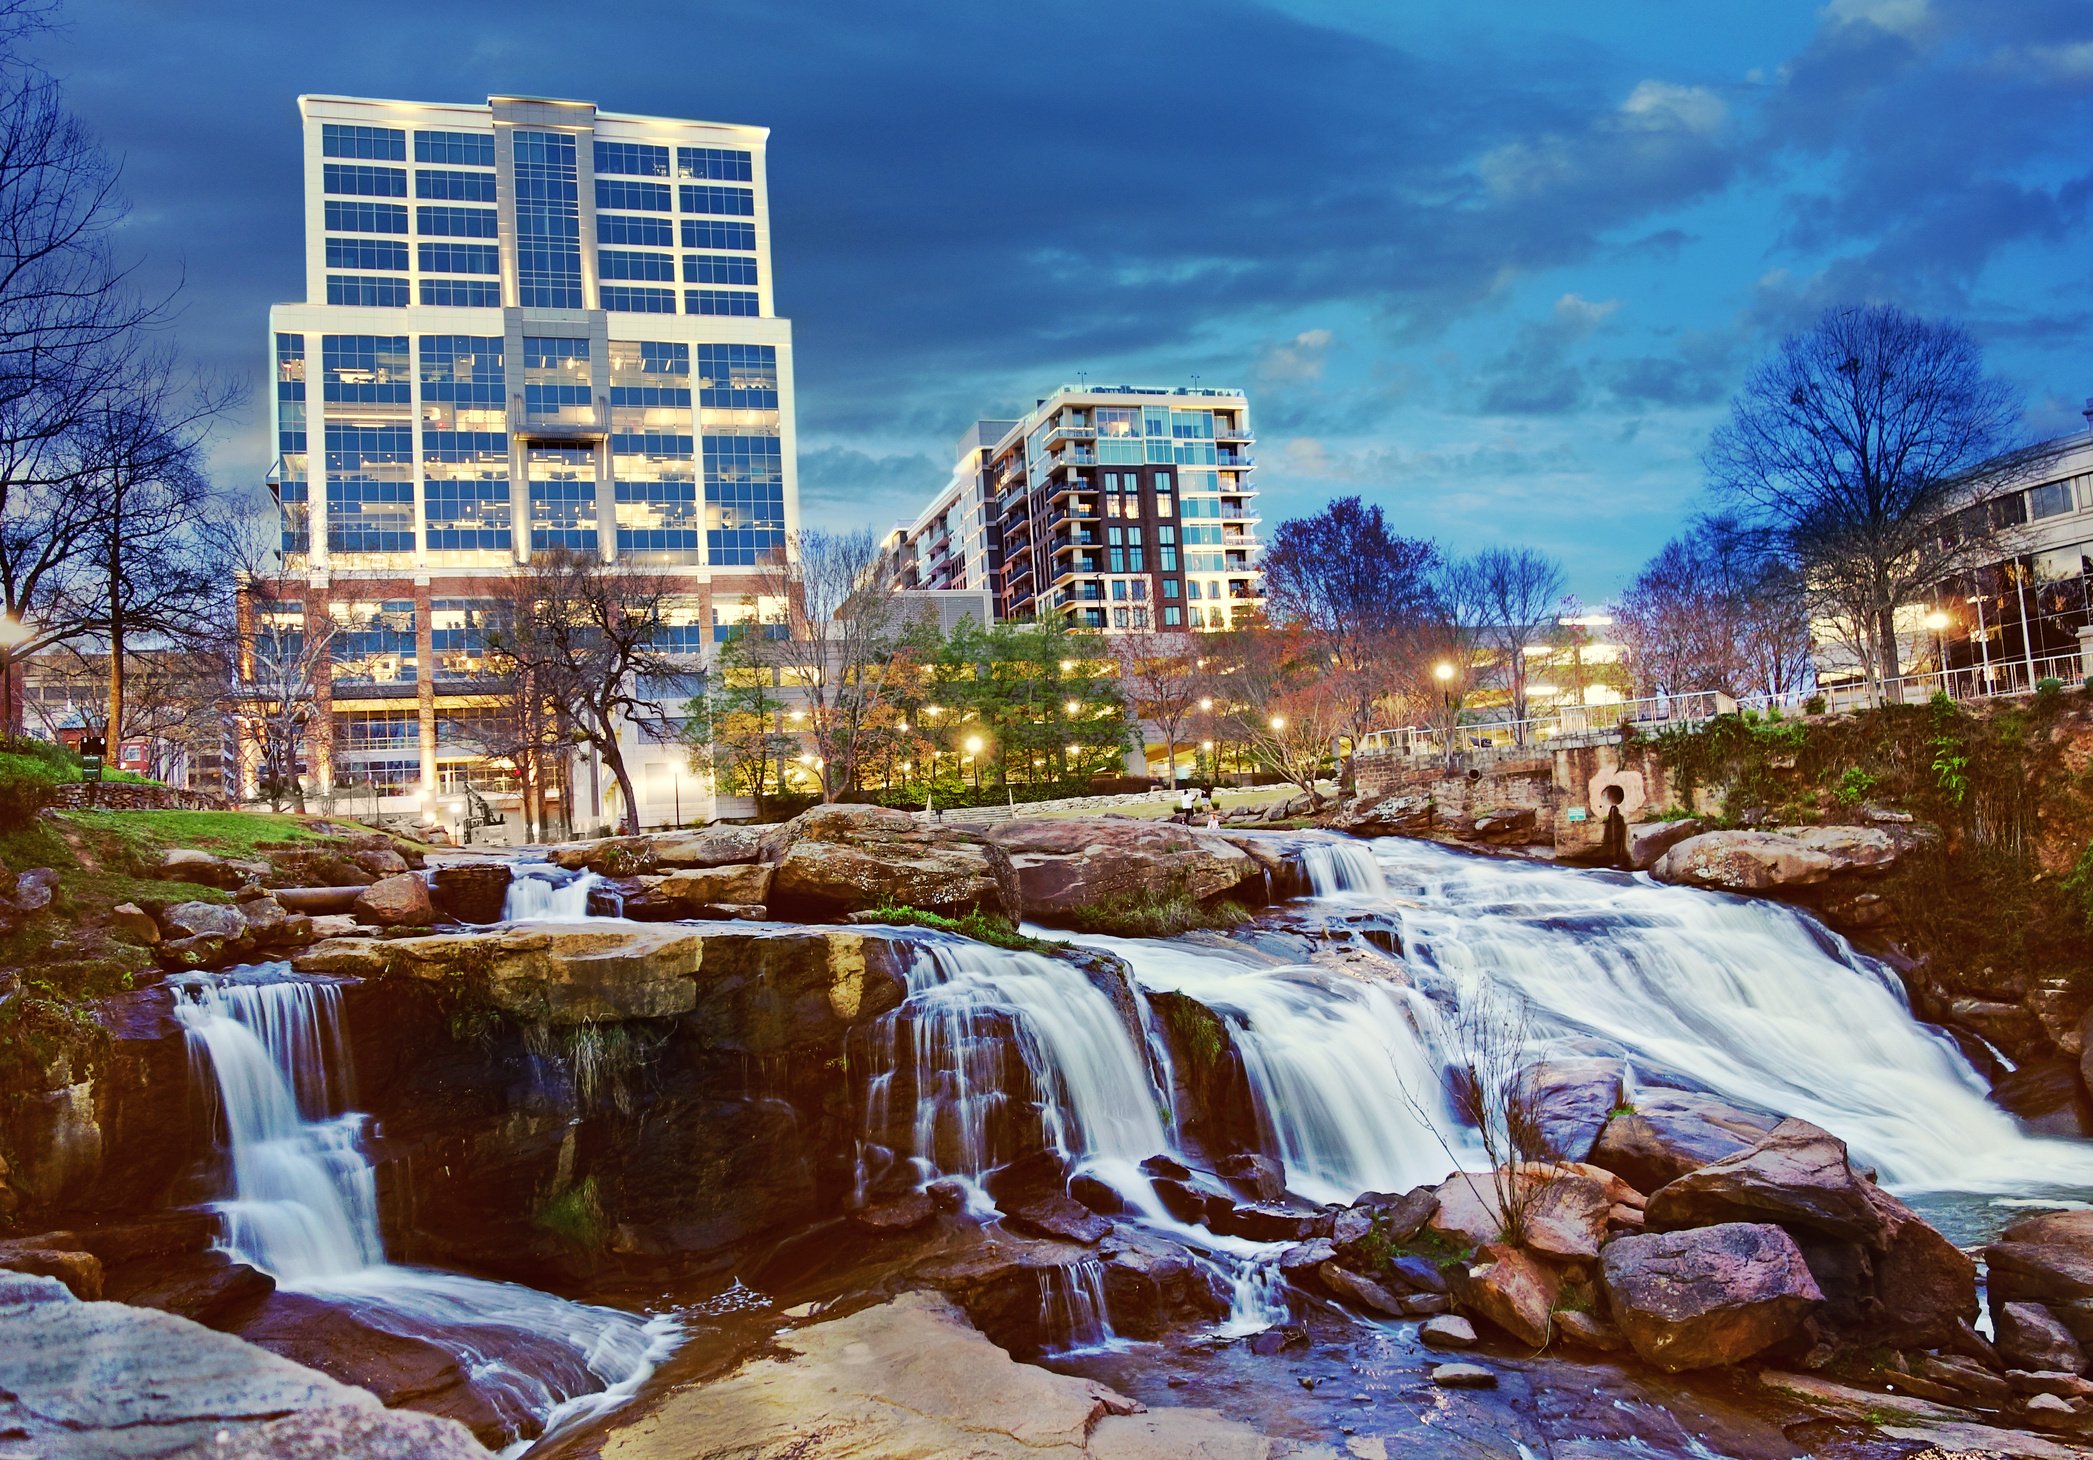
[1613,849]
[1186,800]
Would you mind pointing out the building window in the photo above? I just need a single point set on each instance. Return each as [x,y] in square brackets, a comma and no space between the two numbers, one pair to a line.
[721,164]
[725,202]
[742,377]
[632,159]
[353,181]
[459,258]
[366,217]
[627,299]
[457,149]
[1173,616]
[455,222]
[364,369]
[616,263]
[612,228]
[378,144]
[369,290]
[708,269]
[744,498]
[2051,499]
[633,197]
[563,497]
[721,301]
[456,187]
[293,490]
[1166,559]
[548,220]
[462,293]
[1169,588]
[719,233]
[366,253]
[556,380]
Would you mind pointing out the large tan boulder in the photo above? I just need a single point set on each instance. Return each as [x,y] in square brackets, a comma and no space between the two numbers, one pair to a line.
[1797,1176]
[398,901]
[624,856]
[1650,840]
[744,884]
[1863,850]
[1707,1297]
[1924,1287]
[1743,861]
[207,869]
[2046,1260]
[1062,865]
[836,860]
[1512,1289]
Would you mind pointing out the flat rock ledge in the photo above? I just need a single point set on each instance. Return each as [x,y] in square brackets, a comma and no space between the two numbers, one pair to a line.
[104,1381]
[913,1377]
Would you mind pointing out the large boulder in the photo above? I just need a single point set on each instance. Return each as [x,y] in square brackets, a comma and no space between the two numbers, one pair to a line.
[1924,1287]
[1512,1289]
[693,892]
[1571,1101]
[1408,814]
[1667,1133]
[624,856]
[81,1381]
[1743,861]
[207,869]
[1797,1176]
[194,919]
[2046,1260]
[2032,1338]
[1650,840]
[398,901]
[1062,866]
[1567,1218]
[836,860]
[1707,1297]
[1862,850]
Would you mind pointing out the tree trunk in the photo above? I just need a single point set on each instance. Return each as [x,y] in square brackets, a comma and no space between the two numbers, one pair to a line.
[615,758]
[1886,654]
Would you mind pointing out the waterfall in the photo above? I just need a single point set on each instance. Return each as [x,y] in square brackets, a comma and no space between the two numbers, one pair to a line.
[1257,1297]
[1341,867]
[949,1049]
[303,1208]
[539,892]
[1751,999]
[1347,1088]
[1072,1312]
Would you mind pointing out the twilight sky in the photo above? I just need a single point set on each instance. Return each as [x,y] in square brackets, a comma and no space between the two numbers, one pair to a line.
[1498,267]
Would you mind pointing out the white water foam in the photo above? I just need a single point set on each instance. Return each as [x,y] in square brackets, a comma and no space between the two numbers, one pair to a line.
[542,893]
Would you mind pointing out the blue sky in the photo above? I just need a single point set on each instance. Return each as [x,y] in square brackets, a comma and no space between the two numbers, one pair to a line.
[1498,267]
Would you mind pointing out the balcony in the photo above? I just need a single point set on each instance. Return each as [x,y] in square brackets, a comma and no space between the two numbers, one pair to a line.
[1087,594]
[1070,459]
[1242,539]
[1074,542]
[1075,511]
[1245,592]
[1067,487]
[1067,431]
[1232,433]
[1074,568]
[1234,460]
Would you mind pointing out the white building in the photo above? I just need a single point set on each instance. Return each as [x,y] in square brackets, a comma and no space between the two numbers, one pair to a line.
[527,324]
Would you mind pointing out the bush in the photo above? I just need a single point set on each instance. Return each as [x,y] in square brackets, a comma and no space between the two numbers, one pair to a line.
[982,927]
[2048,687]
[1148,915]
[1854,787]
[1814,705]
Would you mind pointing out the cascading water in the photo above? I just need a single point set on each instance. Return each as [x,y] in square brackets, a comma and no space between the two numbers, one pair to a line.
[303,1208]
[1754,1000]
[947,1049]
[1342,867]
[1347,1089]
[1072,1313]
[540,892]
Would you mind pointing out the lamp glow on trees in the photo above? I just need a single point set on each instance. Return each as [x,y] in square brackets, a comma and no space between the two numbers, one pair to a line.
[1938,622]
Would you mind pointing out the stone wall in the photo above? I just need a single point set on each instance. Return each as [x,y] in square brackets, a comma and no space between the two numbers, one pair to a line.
[136,796]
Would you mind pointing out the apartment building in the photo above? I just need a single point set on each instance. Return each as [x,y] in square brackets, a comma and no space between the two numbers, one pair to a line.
[1117,507]
[528,324]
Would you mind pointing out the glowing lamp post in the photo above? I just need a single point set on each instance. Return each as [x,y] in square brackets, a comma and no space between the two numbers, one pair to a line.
[13,634]
[1443,672]
[973,749]
[1938,622]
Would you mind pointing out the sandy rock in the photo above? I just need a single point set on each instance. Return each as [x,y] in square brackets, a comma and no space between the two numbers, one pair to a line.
[207,869]
[1797,1176]
[835,860]
[192,919]
[1513,1289]
[1568,1217]
[746,884]
[1449,1331]
[1590,1331]
[1467,1208]
[1743,861]
[1062,865]
[1463,1376]
[1859,849]
[1671,1132]
[379,861]
[1710,1296]
[344,1432]
[398,901]
[134,924]
[2032,1337]
[81,1272]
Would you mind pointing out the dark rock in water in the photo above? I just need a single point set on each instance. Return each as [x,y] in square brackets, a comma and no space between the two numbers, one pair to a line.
[211,1288]
[2046,1260]
[1672,1132]
[1797,1176]
[1383,1218]
[1095,1194]
[471,892]
[1711,1296]
[1259,1177]
[1572,1099]
[1188,1203]
[1278,1339]
[1925,1286]
[1418,1274]
[1152,1285]
[1058,1216]
[1262,1223]
[1360,1291]
[2032,1337]
[400,1370]
[1166,1166]
[2048,1095]
[946,1194]
[898,1214]
[1298,1264]
[1213,1084]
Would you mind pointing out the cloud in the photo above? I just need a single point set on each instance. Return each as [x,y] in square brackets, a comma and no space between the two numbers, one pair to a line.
[1301,358]
[1896,17]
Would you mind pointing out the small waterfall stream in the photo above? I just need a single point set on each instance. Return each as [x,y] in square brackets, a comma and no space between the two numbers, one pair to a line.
[541,892]
[303,1208]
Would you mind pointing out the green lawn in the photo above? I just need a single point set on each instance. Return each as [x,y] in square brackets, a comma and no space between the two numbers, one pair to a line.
[1163,805]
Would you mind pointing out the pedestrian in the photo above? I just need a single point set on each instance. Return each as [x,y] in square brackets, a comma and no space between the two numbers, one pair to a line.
[1186,800]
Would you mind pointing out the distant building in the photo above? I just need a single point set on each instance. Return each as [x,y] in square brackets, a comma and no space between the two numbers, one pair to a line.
[1114,507]
[528,324]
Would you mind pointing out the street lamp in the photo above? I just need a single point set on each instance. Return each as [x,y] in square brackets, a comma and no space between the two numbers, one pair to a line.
[973,749]
[13,634]
[1938,622]
[1443,672]
[1074,706]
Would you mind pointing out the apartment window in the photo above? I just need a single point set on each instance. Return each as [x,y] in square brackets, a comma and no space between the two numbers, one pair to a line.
[1173,616]
[722,164]
[462,293]
[635,197]
[457,149]
[1118,556]
[726,202]
[1116,536]
[721,301]
[1119,618]
[452,222]
[1137,559]
[380,144]
[707,269]
[457,187]
[2051,499]
[633,159]
[1166,559]
[719,233]
[613,228]
[548,220]
[353,181]
[1170,589]
[367,217]
[459,258]
[379,291]
[1164,506]
[366,253]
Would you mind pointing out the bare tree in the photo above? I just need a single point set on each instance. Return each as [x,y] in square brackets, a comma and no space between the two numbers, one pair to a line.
[276,653]
[1862,454]
[844,627]
[1275,697]
[582,633]
[1160,670]
[1708,612]
[1517,590]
